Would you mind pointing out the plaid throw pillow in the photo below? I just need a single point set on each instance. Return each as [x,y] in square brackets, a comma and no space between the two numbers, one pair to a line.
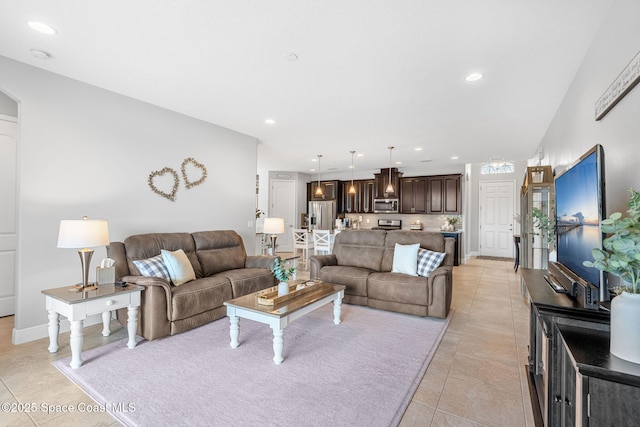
[428,261]
[153,267]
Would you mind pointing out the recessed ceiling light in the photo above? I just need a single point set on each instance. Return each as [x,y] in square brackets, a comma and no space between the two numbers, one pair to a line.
[314,160]
[40,54]
[418,149]
[41,27]
[270,121]
[398,162]
[454,157]
[474,77]
[360,155]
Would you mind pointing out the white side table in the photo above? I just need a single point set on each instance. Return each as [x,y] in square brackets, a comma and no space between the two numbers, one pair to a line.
[76,306]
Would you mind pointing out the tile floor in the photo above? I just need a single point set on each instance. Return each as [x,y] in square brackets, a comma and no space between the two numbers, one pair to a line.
[476,378]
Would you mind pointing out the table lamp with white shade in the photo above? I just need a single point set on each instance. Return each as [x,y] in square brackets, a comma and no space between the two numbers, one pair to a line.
[83,234]
[273,227]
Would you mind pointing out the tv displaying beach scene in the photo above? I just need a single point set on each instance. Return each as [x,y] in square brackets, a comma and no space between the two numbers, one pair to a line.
[578,214]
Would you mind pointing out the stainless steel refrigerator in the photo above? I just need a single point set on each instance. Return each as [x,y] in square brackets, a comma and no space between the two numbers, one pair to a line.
[322,215]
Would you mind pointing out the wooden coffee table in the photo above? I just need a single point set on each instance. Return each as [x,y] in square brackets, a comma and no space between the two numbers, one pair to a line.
[278,316]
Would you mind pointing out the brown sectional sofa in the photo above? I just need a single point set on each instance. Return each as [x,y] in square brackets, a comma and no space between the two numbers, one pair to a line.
[222,268]
[362,260]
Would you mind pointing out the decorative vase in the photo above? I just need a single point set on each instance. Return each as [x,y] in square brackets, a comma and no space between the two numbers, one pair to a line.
[283,288]
[625,334]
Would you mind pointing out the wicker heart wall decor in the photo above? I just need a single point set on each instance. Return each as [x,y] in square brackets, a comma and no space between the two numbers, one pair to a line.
[190,161]
[172,195]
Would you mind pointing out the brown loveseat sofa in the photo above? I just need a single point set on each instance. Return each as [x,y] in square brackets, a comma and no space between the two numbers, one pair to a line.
[222,269]
[362,260]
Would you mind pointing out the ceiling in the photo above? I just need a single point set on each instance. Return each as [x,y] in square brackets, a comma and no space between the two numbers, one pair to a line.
[369,73]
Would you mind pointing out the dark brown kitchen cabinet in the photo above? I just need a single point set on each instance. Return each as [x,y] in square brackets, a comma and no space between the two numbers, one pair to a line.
[413,195]
[330,190]
[382,181]
[443,195]
[361,202]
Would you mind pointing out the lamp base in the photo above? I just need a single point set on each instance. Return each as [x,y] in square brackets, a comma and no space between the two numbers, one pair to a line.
[273,238]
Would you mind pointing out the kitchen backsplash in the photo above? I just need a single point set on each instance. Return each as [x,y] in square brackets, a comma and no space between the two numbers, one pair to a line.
[429,222]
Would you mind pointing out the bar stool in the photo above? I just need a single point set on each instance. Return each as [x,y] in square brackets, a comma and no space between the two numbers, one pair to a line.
[321,242]
[302,240]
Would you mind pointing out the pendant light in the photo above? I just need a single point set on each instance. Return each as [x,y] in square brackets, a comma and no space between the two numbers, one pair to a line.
[319,188]
[352,189]
[390,187]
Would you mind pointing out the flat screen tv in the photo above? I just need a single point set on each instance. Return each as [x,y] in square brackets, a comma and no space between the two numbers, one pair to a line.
[580,208]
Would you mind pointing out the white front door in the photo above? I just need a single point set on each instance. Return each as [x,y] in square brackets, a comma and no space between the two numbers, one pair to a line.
[8,237]
[283,205]
[496,218]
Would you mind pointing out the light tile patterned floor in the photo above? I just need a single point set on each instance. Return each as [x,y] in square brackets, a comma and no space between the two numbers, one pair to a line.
[477,376]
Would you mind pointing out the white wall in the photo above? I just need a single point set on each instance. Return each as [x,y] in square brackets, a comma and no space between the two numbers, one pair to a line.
[8,106]
[87,151]
[574,130]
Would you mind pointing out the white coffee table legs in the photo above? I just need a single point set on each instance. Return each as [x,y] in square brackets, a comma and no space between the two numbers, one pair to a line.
[337,309]
[278,344]
[234,330]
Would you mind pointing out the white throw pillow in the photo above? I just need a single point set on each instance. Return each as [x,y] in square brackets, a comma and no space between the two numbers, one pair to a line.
[179,267]
[428,261]
[405,259]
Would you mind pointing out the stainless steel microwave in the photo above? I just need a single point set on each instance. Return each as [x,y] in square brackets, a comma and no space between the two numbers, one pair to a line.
[385,205]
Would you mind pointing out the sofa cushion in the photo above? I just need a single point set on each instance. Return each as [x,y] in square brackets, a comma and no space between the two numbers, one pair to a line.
[247,280]
[143,246]
[427,240]
[428,261]
[399,288]
[354,278]
[360,248]
[180,269]
[219,251]
[153,267]
[198,296]
[405,259]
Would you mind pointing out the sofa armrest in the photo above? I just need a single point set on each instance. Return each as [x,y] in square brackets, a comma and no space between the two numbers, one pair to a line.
[260,261]
[319,261]
[153,285]
[440,289]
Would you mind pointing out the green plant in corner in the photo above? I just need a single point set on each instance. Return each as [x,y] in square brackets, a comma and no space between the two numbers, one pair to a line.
[545,226]
[621,254]
[281,273]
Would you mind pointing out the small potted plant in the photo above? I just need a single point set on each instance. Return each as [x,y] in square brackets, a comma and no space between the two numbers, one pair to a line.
[451,223]
[282,275]
[620,257]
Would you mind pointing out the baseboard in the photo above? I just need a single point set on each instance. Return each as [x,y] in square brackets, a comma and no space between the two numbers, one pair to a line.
[21,336]
[470,255]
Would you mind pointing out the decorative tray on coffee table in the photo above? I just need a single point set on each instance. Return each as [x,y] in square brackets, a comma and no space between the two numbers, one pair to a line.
[270,296]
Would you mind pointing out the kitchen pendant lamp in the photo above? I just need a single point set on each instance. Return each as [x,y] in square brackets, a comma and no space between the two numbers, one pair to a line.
[352,189]
[319,188]
[389,188]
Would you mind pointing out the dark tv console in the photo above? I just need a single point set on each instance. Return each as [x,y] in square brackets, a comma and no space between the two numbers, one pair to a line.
[575,381]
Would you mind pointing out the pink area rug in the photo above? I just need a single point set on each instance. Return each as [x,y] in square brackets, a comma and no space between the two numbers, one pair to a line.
[362,372]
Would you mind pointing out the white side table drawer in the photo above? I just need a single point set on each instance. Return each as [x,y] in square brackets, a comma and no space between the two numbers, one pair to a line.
[110,303]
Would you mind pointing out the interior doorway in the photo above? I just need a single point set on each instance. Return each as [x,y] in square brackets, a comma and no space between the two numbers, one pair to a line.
[283,205]
[8,228]
[496,218]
